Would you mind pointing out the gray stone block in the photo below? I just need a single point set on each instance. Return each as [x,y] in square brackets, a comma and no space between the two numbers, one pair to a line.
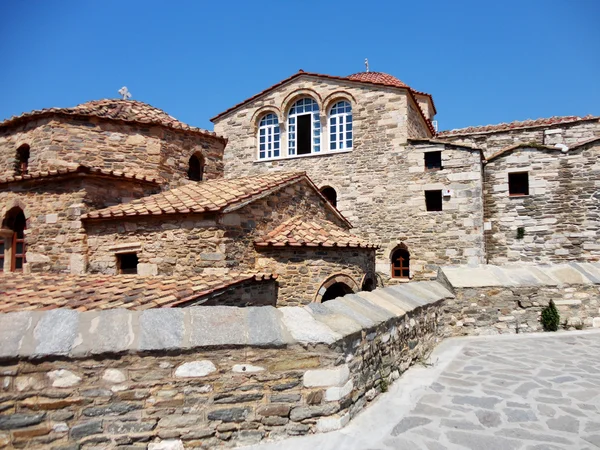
[304,328]
[341,306]
[367,308]
[111,331]
[218,325]
[161,328]
[264,327]
[13,328]
[339,323]
[56,331]
[14,421]
[408,297]
[587,271]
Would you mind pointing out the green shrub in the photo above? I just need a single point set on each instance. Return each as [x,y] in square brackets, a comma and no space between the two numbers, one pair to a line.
[550,317]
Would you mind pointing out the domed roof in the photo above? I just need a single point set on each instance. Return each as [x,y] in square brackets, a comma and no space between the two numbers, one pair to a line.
[377,78]
[115,109]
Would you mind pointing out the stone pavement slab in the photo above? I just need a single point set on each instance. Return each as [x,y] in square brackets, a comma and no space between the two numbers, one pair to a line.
[509,392]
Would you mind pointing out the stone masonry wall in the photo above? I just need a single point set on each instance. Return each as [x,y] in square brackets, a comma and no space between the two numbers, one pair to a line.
[208,377]
[561,214]
[567,134]
[302,271]
[153,151]
[54,238]
[379,183]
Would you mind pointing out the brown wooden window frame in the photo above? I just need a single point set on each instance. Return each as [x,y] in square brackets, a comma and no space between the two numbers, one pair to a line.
[401,264]
[518,184]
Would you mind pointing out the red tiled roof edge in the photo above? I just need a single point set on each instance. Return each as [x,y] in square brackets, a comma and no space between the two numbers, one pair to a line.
[70,112]
[328,203]
[243,278]
[510,148]
[516,125]
[331,77]
[81,169]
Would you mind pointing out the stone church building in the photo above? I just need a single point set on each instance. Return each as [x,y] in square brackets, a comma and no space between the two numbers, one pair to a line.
[315,187]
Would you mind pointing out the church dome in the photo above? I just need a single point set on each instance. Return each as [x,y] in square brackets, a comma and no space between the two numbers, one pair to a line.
[377,78]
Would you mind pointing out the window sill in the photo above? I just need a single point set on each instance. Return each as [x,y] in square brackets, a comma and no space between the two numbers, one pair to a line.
[434,170]
[283,158]
[518,195]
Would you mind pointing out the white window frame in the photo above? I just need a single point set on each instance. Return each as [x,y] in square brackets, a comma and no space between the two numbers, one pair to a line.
[340,119]
[269,129]
[315,126]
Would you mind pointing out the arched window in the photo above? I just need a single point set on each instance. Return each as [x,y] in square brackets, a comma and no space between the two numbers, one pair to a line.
[400,263]
[336,290]
[268,137]
[368,284]
[196,168]
[22,160]
[330,194]
[304,128]
[340,126]
[14,246]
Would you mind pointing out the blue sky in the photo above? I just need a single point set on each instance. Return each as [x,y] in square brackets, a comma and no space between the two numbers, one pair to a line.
[483,62]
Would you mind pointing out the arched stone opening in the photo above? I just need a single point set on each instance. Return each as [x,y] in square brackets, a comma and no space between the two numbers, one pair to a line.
[336,286]
[22,160]
[196,167]
[330,194]
[12,240]
[400,263]
[368,283]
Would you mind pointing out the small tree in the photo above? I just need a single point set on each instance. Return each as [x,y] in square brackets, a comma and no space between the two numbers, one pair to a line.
[550,317]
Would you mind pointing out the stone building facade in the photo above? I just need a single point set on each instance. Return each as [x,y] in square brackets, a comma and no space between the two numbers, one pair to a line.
[438,197]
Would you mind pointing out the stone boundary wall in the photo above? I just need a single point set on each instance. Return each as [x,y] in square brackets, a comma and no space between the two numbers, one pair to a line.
[206,376]
[509,299]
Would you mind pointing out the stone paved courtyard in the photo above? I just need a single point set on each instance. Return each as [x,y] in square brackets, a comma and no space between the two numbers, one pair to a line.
[529,392]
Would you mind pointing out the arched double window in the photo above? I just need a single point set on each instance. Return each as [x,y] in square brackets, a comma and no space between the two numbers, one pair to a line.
[400,263]
[304,128]
[340,126]
[196,168]
[268,137]
[14,245]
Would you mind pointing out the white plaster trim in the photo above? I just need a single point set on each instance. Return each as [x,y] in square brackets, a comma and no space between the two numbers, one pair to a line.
[326,153]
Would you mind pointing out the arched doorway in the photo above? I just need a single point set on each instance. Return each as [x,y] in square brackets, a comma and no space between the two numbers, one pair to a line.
[336,290]
[400,261]
[330,194]
[368,284]
[196,168]
[12,244]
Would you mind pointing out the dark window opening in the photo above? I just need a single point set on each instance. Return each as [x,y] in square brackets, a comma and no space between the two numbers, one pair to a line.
[336,290]
[518,183]
[368,285]
[15,221]
[127,263]
[22,160]
[401,264]
[2,250]
[330,194]
[433,161]
[196,168]
[304,134]
[433,200]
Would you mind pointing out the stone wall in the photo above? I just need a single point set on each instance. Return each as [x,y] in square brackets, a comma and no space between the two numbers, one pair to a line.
[561,214]
[566,134]
[302,271]
[208,376]
[152,151]
[55,239]
[509,299]
[380,183]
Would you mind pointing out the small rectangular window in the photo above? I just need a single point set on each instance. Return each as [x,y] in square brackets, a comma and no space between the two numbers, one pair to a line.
[433,200]
[433,161]
[518,184]
[127,263]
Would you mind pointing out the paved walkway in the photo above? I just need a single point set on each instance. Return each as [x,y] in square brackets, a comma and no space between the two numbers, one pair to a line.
[529,392]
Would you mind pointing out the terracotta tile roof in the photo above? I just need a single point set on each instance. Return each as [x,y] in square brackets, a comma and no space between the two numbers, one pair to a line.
[377,78]
[81,169]
[20,292]
[222,195]
[516,125]
[114,109]
[382,80]
[297,232]
[552,148]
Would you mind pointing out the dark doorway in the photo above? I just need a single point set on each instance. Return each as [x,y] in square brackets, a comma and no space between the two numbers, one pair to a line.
[195,169]
[336,290]
[304,134]
[128,263]
[330,194]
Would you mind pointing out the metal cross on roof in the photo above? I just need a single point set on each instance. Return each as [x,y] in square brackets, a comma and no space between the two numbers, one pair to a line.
[125,93]
[367,63]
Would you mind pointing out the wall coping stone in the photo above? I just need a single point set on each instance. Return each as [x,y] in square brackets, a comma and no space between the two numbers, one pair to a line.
[517,275]
[75,334]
